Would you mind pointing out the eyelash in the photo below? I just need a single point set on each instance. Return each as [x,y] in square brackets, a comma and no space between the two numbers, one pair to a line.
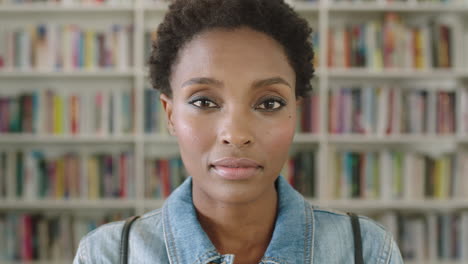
[280,101]
[200,99]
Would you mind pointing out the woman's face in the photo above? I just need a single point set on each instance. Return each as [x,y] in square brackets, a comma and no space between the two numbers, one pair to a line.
[233,111]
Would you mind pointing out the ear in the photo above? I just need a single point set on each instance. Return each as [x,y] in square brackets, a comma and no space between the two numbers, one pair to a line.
[166,102]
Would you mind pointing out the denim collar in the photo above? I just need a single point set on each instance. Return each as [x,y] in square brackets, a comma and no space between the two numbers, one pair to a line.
[186,241]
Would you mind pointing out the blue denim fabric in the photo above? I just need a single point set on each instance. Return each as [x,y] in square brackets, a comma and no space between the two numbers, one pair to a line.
[302,234]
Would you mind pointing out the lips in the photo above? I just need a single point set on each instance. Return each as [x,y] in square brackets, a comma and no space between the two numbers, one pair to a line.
[236,168]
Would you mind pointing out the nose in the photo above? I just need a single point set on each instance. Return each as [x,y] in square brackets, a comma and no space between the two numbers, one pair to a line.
[237,131]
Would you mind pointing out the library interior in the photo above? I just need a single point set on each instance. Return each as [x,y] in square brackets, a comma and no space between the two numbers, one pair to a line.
[83,136]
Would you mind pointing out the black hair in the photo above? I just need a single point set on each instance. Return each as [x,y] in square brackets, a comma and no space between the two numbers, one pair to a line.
[187,18]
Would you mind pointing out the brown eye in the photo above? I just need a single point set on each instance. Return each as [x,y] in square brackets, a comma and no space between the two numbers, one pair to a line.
[203,103]
[271,105]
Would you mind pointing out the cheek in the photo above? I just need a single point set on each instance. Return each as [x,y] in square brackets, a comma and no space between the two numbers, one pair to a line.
[194,135]
[278,137]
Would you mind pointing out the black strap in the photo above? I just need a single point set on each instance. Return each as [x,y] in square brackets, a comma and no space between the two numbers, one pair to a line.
[358,257]
[124,239]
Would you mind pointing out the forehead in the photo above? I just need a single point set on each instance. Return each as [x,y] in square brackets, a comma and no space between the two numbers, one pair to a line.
[231,53]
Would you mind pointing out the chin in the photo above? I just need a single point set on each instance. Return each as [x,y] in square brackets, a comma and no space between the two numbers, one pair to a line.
[238,193]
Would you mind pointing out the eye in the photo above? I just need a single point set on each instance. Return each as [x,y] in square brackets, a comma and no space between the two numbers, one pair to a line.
[203,103]
[271,104]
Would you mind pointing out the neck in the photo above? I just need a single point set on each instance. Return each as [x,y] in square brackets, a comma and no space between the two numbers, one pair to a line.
[244,229]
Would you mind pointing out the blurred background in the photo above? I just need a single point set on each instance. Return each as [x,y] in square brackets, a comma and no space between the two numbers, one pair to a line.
[83,138]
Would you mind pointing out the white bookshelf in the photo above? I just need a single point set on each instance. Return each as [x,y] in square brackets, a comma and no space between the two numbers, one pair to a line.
[145,16]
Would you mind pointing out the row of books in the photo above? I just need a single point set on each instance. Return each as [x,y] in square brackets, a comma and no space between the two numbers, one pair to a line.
[59,112]
[396,174]
[154,115]
[393,43]
[391,109]
[383,109]
[426,238]
[163,176]
[463,95]
[39,174]
[66,47]
[300,171]
[308,115]
[47,237]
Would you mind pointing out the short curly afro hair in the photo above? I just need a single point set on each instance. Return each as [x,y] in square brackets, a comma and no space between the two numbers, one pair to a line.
[187,18]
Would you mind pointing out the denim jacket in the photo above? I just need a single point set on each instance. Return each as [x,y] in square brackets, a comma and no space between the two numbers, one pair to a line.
[302,234]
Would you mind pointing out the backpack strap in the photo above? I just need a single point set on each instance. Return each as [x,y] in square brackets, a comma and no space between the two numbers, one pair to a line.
[125,238]
[358,257]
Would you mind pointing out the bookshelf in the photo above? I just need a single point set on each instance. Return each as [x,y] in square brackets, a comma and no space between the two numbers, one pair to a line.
[322,15]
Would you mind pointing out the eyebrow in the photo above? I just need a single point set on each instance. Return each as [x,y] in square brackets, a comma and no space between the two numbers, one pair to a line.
[256,84]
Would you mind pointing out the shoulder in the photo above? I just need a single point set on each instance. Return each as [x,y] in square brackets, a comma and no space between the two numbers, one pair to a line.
[333,231]
[102,245]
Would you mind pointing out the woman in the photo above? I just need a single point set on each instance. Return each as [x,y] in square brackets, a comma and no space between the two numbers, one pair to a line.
[231,74]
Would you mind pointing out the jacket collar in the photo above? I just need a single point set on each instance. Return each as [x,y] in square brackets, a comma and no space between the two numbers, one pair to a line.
[186,241]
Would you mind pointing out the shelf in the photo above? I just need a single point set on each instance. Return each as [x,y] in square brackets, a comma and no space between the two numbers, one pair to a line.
[66,74]
[302,6]
[160,139]
[397,7]
[299,138]
[156,7]
[46,8]
[153,203]
[38,204]
[400,205]
[332,73]
[307,138]
[395,73]
[391,139]
[68,139]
